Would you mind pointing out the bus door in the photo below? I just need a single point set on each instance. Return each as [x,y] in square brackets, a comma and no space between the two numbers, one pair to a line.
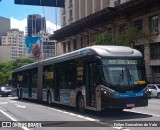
[57,83]
[30,85]
[91,83]
[27,85]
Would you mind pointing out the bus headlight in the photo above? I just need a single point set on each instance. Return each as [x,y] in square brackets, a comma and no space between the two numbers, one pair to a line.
[107,93]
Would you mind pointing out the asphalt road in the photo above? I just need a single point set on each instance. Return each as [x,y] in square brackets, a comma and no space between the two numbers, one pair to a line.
[62,117]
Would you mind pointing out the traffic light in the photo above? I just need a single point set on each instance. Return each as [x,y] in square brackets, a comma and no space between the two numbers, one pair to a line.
[51,3]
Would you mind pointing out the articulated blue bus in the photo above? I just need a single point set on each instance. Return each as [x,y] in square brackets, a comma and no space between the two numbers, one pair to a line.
[94,78]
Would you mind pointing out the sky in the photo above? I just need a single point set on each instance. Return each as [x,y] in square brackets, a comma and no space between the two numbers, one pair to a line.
[18,14]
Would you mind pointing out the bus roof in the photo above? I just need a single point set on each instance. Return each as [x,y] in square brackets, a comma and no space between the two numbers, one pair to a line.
[26,67]
[102,51]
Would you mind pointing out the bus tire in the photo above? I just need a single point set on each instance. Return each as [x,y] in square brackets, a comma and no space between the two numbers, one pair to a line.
[49,98]
[80,104]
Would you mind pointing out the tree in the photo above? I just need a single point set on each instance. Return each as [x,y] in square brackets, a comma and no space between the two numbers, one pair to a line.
[104,39]
[126,38]
[21,62]
[131,36]
[6,68]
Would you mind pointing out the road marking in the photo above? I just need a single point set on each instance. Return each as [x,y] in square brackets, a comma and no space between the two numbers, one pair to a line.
[10,117]
[3,103]
[79,116]
[82,117]
[142,113]
[20,106]
[90,119]
[120,128]
[72,114]
[12,101]
[117,128]
[11,97]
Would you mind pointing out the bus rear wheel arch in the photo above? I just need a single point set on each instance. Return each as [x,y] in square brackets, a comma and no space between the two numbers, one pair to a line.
[80,103]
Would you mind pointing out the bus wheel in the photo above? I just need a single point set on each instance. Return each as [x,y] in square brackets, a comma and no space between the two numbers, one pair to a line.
[80,104]
[158,95]
[49,98]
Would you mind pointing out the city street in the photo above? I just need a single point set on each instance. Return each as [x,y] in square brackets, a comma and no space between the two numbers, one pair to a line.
[61,117]
[90,54]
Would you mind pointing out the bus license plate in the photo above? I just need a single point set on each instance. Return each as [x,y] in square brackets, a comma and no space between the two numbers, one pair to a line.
[130,105]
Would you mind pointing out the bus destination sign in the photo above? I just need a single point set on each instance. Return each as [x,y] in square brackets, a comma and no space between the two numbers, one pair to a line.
[122,62]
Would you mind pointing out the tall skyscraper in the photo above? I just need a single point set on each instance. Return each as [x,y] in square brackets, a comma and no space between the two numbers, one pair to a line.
[4,26]
[35,24]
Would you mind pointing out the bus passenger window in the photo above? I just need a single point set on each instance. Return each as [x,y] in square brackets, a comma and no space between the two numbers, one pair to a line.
[63,82]
[80,75]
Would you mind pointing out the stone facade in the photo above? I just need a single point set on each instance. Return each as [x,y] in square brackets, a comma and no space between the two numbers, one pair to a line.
[147,19]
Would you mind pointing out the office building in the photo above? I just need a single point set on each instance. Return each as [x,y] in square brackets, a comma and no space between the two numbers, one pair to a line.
[75,10]
[15,39]
[4,26]
[35,24]
[142,15]
[5,53]
[49,46]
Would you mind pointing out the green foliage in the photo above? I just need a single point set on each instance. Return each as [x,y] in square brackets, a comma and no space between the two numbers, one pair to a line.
[6,68]
[21,62]
[104,39]
[131,36]
[126,38]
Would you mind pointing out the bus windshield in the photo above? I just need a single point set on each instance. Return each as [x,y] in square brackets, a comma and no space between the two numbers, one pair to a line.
[124,74]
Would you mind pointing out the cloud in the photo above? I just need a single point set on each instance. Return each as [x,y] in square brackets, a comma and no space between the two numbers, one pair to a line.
[51,27]
[22,24]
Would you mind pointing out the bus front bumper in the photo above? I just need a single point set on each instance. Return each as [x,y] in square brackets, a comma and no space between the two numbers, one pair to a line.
[109,102]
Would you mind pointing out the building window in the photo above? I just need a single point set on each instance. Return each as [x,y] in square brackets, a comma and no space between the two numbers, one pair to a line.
[155,69]
[109,30]
[155,50]
[75,44]
[154,24]
[63,12]
[70,14]
[122,28]
[81,42]
[70,3]
[69,46]
[138,24]
[141,49]
[64,20]
[88,40]
[64,47]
